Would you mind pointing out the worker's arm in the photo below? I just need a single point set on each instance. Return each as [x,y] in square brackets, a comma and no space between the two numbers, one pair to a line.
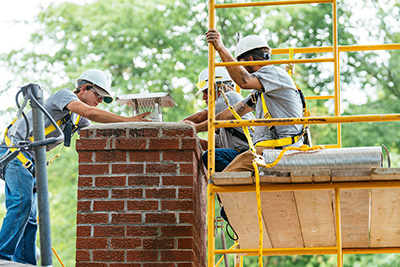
[241,108]
[239,74]
[197,117]
[101,115]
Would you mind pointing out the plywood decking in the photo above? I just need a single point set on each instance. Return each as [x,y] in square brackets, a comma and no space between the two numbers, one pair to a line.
[369,217]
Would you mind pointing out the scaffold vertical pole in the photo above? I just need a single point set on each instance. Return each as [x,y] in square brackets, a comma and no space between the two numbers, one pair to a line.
[336,56]
[41,179]
[211,141]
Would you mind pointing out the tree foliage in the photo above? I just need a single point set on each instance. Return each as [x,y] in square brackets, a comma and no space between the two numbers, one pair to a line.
[159,46]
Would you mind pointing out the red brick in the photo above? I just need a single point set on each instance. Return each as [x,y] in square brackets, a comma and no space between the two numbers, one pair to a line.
[186,168]
[144,156]
[82,255]
[161,193]
[189,264]
[161,168]
[90,264]
[92,193]
[142,205]
[126,218]
[85,181]
[159,243]
[143,133]
[159,264]
[177,205]
[108,255]
[186,217]
[83,134]
[179,230]
[188,143]
[108,231]
[185,193]
[83,230]
[178,156]
[125,265]
[91,243]
[177,180]
[185,243]
[127,193]
[127,168]
[85,157]
[176,255]
[93,169]
[143,180]
[142,231]
[108,205]
[91,144]
[182,132]
[163,144]
[160,218]
[130,144]
[110,156]
[107,133]
[87,218]
[125,243]
[110,181]
[84,205]
[142,255]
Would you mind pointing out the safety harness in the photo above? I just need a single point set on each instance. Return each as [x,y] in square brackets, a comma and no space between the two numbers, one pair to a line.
[69,130]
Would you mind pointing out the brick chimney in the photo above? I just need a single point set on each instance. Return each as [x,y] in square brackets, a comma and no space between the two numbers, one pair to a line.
[141,196]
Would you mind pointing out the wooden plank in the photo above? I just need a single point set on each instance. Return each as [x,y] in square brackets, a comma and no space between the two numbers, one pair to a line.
[310,176]
[354,208]
[232,178]
[385,217]
[241,209]
[268,176]
[378,174]
[350,175]
[315,209]
[281,219]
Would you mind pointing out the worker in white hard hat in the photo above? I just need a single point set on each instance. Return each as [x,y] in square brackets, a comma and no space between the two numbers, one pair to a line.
[274,96]
[230,142]
[72,111]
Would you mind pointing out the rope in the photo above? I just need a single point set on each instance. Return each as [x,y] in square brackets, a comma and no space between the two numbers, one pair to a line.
[303,148]
[260,222]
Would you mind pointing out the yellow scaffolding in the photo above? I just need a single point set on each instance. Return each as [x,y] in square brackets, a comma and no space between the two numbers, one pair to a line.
[337,119]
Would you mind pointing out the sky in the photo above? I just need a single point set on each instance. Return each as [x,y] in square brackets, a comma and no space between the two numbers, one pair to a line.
[15,36]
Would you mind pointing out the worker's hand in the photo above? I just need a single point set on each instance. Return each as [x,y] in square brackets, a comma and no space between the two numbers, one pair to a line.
[214,37]
[140,117]
[190,123]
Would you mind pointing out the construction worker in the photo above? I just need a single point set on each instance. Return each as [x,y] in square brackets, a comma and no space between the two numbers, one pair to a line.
[230,142]
[18,231]
[274,96]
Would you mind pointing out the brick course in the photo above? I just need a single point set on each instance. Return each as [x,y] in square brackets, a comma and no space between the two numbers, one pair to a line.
[141,196]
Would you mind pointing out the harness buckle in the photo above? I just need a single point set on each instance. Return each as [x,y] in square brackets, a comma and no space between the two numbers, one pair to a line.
[27,164]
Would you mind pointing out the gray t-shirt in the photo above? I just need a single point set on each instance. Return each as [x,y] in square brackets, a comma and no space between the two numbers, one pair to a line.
[282,100]
[224,138]
[55,105]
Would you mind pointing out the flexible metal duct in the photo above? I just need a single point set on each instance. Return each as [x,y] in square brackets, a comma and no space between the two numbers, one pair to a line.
[335,158]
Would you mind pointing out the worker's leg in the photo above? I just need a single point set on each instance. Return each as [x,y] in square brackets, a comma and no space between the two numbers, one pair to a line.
[243,162]
[222,158]
[19,201]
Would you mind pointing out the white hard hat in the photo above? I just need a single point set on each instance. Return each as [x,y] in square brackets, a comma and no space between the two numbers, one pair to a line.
[101,80]
[248,43]
[221,75]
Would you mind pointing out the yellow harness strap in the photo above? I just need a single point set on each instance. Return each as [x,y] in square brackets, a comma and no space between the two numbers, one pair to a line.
[21,157]
[237,116]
